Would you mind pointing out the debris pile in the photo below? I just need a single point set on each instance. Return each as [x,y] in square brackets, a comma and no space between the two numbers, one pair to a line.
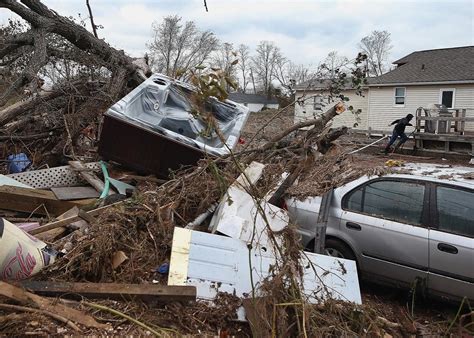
[205,249]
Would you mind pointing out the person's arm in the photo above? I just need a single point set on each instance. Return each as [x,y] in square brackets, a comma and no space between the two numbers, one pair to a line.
[394,122]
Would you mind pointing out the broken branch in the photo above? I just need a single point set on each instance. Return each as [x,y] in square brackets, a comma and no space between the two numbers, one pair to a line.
[45,312]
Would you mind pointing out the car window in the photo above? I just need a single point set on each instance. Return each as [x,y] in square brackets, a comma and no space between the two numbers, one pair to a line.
[395,200]
[455,210]
[354,202]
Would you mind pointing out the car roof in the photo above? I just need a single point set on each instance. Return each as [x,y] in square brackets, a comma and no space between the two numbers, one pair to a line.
[441,173]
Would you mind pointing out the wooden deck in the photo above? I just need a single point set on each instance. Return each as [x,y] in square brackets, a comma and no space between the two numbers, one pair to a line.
[445,134]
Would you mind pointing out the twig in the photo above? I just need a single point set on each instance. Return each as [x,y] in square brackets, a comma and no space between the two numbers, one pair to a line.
[27,137]
[457,315]
[94,28]
[123,315]
[53,315]
[205,6]
[69,139]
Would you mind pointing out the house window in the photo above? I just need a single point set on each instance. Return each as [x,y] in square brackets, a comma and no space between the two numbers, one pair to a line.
[446,97]
[318,103]
[400,95]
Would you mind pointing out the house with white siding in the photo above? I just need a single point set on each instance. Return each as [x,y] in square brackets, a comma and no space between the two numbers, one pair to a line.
[420,79]
[254,102]
[313,99]
[438,76]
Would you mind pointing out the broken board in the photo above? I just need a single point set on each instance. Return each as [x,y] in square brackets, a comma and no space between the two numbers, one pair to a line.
[35,201]
[74,193]
[238,215]
[216,263]
[145,292]
[5,180]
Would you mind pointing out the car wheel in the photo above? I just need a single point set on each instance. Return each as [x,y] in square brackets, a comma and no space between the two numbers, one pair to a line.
[338,249]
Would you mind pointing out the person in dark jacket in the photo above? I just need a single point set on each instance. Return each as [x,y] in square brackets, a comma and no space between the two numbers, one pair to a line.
[399,131]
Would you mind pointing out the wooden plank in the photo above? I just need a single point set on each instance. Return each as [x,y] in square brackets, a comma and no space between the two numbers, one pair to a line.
[24,297]
[87,175]
[442,137]
[54,234]
[145,292]
[69,220]
[74,193]
[35,201]
[438,118]
[463,123]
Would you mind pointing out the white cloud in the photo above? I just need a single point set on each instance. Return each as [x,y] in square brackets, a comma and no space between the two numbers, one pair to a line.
[305,30]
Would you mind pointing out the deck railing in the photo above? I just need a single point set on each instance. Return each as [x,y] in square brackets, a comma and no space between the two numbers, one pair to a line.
[443,124]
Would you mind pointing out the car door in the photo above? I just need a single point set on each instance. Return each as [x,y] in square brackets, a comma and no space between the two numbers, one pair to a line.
[384,221]
[451,242]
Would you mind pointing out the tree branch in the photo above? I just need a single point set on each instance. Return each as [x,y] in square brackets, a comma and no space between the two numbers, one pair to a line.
[37,61]
[25,13]
[21,107]
[17,41]
[94,28]
[38,7]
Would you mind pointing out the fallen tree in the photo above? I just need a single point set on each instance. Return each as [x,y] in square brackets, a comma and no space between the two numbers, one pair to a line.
[85,75]
[47,26]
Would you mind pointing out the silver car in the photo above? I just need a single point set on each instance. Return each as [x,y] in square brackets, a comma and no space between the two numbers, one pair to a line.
[402,228]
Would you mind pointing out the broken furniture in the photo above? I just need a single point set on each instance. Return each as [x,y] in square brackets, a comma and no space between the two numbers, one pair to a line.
[155,127]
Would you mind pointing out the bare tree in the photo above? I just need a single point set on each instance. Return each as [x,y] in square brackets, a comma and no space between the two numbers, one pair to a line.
[264,63]
[377,47]
[290,74]
[335,63]
[243,55]
[176,48]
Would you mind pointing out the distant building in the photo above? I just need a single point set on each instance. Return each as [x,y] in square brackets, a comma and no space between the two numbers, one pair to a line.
[313,100]
[441,76]
[255,102]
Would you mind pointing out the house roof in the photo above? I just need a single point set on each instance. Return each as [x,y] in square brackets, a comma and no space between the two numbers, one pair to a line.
[431,66]
[252,98]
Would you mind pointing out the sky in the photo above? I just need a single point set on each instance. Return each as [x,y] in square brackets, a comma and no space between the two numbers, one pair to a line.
[305,30]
